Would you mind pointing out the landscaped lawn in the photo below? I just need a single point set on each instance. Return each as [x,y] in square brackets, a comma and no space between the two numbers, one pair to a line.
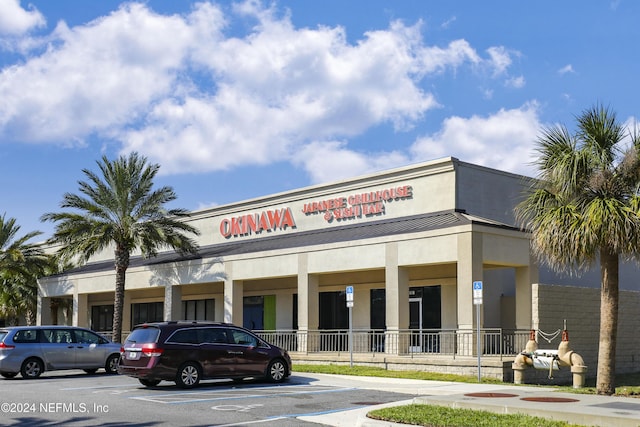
[438,416]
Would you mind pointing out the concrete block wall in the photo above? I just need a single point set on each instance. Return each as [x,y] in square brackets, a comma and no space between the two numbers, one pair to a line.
[580,307]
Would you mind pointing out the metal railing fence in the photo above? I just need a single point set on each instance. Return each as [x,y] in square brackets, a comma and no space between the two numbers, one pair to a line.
[452,342]
[447,342]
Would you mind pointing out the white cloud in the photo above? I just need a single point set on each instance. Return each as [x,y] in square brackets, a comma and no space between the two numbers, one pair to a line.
[192,98]
[566,69]
[14,20]
[327,161]
[503,140]
[99,77]
[516,82]
[446,24]
[500,59]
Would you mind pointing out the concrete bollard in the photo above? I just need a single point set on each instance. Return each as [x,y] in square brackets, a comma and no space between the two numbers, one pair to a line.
[518,373]
[579,374]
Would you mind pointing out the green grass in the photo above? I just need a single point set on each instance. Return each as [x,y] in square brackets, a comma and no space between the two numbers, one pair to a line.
[364,371]
[626,385]
[440,416]
[437,416]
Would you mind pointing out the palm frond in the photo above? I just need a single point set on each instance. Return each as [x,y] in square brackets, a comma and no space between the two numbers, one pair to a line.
[587,193]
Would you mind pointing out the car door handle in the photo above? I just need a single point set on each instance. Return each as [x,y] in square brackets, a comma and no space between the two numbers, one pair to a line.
[235,352]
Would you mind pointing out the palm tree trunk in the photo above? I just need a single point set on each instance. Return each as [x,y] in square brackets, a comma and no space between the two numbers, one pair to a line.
[122,263]
[605,383]
[30,317]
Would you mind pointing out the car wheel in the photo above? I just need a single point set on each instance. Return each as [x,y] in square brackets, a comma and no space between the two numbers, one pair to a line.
[8,374]
[149,383]
[90,371]
[188,375]
[112,364]
[276,371]
[31,368]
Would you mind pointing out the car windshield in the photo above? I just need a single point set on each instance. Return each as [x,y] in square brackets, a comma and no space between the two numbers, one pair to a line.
[144,335]
[3,334]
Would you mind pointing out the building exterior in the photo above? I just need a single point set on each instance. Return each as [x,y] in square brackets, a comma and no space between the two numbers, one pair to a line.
[405,245]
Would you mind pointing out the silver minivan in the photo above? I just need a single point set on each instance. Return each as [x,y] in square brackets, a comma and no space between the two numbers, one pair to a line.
[31,350]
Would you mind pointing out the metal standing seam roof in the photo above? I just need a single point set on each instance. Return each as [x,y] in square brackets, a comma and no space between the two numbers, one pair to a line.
[346,233]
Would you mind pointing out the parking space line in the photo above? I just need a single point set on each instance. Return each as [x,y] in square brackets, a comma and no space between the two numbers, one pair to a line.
[96,387]
[282,389]
[284,417]
[217,395]
[244,423]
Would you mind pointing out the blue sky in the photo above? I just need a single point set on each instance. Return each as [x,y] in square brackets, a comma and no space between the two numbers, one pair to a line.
[237,100]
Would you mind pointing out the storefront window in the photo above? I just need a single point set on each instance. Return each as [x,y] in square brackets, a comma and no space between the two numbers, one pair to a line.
[147,312]
[199,309]
[334,313]
[102,318]
[378,309]
[295,312]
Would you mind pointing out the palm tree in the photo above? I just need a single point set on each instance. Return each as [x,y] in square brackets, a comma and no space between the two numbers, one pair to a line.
[585,207]
[19,297]
[120,210]
[21,263]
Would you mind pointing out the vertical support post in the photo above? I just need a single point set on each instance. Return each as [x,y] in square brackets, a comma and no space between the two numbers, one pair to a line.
[351,337]
[479,342]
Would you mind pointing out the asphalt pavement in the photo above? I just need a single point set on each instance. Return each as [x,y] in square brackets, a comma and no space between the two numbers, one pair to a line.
[586,410]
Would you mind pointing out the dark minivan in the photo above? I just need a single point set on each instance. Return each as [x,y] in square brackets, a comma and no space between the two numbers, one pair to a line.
[186,352]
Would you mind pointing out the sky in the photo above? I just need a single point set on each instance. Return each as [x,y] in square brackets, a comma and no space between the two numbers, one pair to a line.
[237,100]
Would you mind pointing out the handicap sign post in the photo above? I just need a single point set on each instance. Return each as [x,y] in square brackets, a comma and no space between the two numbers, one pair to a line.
[349,294]
[477,301]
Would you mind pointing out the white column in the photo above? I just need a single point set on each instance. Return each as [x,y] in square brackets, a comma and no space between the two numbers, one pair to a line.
[525,278]
[308,306]
[469,271]
[80,309]
[173,302]
[43,312]
[233,301]
[233,297]
[397,301]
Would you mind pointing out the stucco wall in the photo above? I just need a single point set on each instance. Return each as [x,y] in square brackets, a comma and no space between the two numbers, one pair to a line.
[411,190]
[580,307]
[488,193]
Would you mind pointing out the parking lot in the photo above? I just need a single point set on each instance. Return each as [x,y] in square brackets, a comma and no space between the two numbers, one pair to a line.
[77,399]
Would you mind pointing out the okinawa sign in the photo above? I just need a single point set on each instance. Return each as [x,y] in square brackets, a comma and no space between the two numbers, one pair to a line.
[350,207]
[270,220]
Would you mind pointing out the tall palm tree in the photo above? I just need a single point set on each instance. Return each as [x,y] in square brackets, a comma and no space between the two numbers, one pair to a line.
[585,207]
[21,263]
[119,209]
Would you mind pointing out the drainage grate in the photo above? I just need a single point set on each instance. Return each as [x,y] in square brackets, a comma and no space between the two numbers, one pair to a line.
[491,395]
[549,399]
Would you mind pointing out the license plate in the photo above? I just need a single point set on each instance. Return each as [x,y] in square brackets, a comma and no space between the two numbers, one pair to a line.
[133,355]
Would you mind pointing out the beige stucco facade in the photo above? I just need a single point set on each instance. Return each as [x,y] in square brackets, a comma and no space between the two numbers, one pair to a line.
[443,223]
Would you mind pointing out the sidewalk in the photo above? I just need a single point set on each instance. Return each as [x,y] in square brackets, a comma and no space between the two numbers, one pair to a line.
[587,410]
